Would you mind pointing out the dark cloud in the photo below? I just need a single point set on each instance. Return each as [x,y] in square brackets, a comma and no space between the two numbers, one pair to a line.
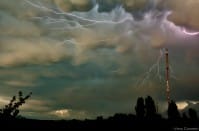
[184,13]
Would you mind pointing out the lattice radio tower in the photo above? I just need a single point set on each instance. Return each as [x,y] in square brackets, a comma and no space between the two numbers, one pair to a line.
[167,75]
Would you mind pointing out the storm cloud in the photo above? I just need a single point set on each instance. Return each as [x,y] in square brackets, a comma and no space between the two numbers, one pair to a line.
[83,58]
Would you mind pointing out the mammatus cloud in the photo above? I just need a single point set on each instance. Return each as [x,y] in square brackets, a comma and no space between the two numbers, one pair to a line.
[71,5]
[184,13]
[82,32]
[131,5]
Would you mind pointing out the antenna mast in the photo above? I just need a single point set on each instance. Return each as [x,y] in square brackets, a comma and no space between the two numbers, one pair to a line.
[167,75]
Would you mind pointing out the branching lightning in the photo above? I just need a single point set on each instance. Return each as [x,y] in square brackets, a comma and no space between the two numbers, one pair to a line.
[155,68]
[79,22]
[73,16]
[70,18]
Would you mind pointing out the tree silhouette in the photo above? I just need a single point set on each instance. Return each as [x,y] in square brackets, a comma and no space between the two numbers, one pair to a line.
[146,108]
[12,109]
[140,108]
[150,107]
[184,116]
[173,112]
[192,114]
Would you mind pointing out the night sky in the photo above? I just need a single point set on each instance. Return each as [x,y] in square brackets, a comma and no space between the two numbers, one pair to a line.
[84,58]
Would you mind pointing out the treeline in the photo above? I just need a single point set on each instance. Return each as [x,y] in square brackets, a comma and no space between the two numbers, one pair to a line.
[11,110]
[146,117]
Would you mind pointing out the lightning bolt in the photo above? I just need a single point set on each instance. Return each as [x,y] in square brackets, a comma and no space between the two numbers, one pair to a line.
[155,68]
[189,33]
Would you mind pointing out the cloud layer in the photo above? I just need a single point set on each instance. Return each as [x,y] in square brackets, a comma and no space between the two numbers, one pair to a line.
[17,51]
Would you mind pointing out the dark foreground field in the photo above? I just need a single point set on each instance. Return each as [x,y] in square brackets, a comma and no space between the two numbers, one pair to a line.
[146,118]
[119,121]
